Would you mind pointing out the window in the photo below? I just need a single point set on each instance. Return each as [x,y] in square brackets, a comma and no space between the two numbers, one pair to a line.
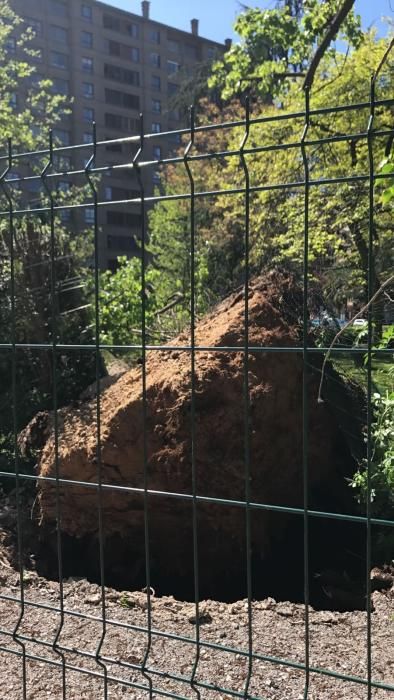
[87,137]
[173,45]
[156,177]
[59,60]
[120,123]
[122,99]
[211,52]
[156,152]
[121,218]
[87,64]
[111,22]
[175,138]
[155,82]
[36,131]
[172,88]
[35,25]
[113,121]
[63,186]
[86,40]
[126,243]
[156,128]
[88,114]
[13,175]
[58,34]
[13,100]
[119,193]
[133,30]
[58,7]
[172,67]
[154,60]
[60,86]
[121,75]
[154,36]
[86,12]
[34,186]
[156,106]
[36,79]
[134,54]
[88,90]
[65,216]
[129,53]
[62,135]
[89,215]
[10,44]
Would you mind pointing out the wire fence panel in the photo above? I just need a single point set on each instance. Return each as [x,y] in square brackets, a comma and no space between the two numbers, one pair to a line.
[126,649]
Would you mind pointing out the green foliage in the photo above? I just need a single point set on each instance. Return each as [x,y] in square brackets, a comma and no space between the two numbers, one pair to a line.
[41,107]
[382,462]
[387,168]
[45,300]
[41,316]
[171,246]
[120,303]
[167,289]
[338,212]
[276,45]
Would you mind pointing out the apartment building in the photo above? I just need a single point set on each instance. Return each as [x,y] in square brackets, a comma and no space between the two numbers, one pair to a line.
[114,64]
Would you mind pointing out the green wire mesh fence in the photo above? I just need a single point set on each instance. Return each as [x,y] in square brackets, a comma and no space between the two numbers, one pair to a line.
[140,677]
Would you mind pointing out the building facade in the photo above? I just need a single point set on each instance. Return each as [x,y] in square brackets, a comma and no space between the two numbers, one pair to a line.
[115,65]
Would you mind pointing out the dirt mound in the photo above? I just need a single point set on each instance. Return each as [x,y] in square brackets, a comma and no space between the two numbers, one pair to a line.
[275,446]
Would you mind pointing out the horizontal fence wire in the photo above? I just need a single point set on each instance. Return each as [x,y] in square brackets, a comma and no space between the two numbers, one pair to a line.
[13,207]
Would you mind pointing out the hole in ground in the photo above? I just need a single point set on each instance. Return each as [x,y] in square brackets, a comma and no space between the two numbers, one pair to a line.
[336,567]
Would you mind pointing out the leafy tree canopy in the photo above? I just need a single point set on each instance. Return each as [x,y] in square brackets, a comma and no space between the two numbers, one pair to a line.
[276,45]
[339,212]
[25,120]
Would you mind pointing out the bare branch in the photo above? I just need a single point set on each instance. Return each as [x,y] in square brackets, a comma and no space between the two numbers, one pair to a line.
[386,294]
[178,298]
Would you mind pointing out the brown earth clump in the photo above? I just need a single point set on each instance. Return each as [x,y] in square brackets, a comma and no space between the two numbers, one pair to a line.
[275,382]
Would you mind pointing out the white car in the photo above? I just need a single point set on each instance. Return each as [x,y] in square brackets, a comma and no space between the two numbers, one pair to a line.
[360,322]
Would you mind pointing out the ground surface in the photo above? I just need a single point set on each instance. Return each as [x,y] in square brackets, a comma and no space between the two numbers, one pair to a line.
[338,643]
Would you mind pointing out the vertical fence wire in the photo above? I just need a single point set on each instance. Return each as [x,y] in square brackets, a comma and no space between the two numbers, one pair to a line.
[246,399]
[305,379]
[370,292]
[19,621]
[93,190]
[137,169]
[189,172]
[54,329]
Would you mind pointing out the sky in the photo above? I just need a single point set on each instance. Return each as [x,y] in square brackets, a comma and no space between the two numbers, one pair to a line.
[217,16]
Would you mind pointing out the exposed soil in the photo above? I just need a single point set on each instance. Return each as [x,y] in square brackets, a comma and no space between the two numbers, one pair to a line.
[338,641]
[137,643]
[164,424]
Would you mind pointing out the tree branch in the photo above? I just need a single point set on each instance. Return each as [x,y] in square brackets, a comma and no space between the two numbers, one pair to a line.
[327,39]
[178,298]
[381,289]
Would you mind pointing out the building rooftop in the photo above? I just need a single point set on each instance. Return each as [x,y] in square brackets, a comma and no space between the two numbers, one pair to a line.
[146,15]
